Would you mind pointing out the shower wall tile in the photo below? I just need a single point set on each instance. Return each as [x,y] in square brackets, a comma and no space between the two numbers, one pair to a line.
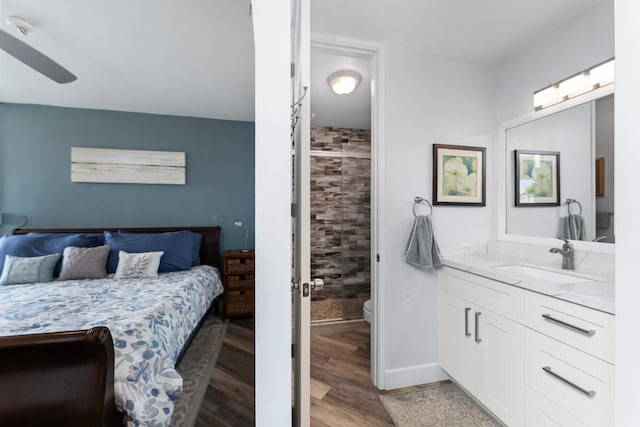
[340,223]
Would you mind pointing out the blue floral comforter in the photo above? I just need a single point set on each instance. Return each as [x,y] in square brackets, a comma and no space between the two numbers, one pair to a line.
[149,319]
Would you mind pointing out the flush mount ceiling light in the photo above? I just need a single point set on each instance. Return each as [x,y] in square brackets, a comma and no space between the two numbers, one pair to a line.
[344,82]
[595,77]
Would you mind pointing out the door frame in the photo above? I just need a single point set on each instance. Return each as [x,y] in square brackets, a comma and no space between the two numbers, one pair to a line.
[375,53]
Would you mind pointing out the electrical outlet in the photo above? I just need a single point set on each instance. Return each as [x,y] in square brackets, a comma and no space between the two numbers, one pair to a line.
[466,248]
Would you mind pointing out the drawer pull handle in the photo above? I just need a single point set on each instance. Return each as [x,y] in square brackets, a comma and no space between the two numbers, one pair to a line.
[569,325]
[466,321]
[477,329]
[589,393]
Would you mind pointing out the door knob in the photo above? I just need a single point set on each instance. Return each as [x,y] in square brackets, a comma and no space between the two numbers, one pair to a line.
[318,284]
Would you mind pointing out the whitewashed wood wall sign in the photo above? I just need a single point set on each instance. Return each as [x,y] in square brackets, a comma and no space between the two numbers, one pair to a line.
[127,166]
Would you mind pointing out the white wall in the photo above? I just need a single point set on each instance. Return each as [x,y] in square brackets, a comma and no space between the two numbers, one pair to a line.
[429,99]
[583,42]
[272,23]
[627,130]
[432,99]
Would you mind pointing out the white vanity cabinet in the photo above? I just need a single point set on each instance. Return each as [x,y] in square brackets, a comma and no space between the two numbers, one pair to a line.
[530,359]
[479,347]
[569,364]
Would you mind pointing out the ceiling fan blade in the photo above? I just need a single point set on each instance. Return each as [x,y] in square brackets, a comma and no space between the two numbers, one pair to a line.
[34,59]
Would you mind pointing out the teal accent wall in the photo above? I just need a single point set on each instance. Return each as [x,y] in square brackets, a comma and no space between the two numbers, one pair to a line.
[35,174]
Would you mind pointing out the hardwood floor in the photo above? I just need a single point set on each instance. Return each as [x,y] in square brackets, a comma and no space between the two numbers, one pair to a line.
[342,394]
[230,397]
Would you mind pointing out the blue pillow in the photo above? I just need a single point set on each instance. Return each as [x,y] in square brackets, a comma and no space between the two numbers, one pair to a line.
[176,245]
[196,241]
[39,244]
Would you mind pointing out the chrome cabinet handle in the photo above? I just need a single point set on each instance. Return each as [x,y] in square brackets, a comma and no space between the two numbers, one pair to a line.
[575,328]
[466,321]
[478,340]
[589,393]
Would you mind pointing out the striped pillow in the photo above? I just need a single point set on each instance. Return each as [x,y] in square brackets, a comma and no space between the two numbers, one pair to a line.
[84,263]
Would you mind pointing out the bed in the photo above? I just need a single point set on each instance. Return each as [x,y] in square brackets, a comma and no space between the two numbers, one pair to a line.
[151,321]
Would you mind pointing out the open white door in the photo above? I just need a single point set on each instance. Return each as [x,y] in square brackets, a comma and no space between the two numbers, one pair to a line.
[300,123]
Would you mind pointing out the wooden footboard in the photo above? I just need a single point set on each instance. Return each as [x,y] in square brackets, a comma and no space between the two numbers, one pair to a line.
[59,378]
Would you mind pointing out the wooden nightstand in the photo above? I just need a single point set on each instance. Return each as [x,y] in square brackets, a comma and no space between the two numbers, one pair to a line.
[239,282]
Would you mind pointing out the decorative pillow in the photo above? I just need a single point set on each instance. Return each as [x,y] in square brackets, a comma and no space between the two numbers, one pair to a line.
[140,265]
[84,263]
[177,247]
[196,240]
[39,244]
[28,269]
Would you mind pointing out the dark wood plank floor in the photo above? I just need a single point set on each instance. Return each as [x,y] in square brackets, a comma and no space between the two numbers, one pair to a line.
[230,397]
[342,394]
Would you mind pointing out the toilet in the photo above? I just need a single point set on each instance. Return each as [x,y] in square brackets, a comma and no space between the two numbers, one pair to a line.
[367,310]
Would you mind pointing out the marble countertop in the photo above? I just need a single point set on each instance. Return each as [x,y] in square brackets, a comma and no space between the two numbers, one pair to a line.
[598,292]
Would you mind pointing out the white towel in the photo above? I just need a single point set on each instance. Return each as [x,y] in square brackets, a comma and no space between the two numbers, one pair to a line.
[422,249]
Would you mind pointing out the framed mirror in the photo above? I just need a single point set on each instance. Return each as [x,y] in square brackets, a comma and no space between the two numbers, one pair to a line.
[564,153]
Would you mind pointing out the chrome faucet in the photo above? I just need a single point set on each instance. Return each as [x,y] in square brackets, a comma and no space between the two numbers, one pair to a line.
[567,253]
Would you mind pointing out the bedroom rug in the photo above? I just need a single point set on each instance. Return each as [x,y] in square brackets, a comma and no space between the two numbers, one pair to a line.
[438,406]
[196,367]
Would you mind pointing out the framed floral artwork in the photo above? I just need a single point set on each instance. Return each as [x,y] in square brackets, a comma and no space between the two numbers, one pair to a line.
[459,175]
[537,178]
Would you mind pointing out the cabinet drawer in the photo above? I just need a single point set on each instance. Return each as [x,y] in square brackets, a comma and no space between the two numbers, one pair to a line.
[542,412]
[240,282]
[239,265]
[239,302]
[581,327]
[503,299]
[582,384]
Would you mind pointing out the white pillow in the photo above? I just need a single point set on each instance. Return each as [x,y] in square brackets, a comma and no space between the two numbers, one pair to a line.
[138,265]
[28,269]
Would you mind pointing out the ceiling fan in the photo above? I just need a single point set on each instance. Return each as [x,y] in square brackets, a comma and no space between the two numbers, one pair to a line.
[30,56]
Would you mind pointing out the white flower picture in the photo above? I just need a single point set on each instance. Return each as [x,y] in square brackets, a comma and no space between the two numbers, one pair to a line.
[537,178]
[458,175]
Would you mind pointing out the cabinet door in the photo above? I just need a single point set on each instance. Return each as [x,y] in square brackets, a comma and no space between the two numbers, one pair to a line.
[456,348]
[500,366]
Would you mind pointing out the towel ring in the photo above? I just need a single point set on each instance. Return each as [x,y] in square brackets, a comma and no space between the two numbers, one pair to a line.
[572,201]
[419,200]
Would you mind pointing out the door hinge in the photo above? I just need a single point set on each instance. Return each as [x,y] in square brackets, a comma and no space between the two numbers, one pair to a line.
[293,70]
[377,257]
[294,210]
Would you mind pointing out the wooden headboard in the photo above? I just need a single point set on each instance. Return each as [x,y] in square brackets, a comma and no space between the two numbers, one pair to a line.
[209,250]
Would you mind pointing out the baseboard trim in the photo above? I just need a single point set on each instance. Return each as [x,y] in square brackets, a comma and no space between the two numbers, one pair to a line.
[414,375]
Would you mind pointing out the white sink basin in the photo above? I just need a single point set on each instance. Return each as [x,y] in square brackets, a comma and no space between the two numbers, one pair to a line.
[542,274]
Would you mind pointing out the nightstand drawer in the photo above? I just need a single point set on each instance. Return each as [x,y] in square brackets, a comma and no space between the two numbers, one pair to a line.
[239,302]
[239,265]
[240,282]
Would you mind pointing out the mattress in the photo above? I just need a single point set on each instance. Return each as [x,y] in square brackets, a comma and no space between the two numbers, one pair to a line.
[150,321]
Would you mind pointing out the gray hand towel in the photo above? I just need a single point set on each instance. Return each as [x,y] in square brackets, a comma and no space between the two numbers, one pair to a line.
[574,227]
[422,249]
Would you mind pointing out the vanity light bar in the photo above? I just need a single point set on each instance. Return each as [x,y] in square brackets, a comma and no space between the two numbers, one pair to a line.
[595,77]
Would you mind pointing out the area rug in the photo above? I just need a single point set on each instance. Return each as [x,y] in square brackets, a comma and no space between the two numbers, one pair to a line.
[195,368]
[439,406]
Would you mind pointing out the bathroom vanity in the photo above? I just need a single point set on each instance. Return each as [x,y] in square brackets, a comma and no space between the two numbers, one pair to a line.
[532,343]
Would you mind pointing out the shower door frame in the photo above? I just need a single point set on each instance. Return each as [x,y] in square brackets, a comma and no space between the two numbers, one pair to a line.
[375,53]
